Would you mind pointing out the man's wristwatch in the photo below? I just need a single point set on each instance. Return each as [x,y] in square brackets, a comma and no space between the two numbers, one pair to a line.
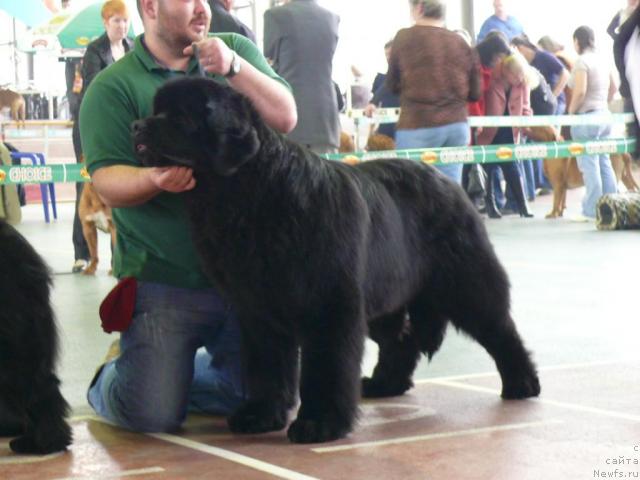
[235,66]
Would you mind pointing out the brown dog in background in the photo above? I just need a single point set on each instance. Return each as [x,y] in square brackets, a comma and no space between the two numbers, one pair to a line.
[94,215]
[563,173]
[15,102]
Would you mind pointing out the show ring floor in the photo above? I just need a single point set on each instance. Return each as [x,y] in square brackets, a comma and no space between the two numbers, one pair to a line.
[575,301]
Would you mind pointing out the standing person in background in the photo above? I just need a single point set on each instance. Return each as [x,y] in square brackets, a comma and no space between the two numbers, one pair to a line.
[508,94]
[500,21]
[383,98]
[556,76]
[490,51]
[427,54]
[626,51]
[620,17]
[222,20]
[111,46]
[300,38]
[73,76]
[102,52]
[593,87]
[548,65]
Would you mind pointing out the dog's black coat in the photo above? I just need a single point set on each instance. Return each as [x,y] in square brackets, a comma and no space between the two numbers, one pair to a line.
[312,252]
[31,406]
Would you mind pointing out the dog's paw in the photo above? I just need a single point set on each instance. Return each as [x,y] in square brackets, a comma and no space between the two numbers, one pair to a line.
[525,387]
[315,431]
[257,417]
[28,444]
[373,388]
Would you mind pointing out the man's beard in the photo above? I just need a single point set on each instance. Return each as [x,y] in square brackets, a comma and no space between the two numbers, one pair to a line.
[175,37]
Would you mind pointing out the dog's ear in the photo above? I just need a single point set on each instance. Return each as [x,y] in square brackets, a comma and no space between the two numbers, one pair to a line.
[235,138]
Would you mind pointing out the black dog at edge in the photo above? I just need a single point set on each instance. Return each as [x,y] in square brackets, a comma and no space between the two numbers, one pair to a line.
[31,406]
[312,253]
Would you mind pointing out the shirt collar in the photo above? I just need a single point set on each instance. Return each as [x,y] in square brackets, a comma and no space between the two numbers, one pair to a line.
[141,51]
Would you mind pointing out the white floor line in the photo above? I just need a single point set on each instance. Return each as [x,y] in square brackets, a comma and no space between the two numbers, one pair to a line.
[233,457]
[435,436]
[545,401]
[14,459]
[549,368]
[124,473]
[216,451]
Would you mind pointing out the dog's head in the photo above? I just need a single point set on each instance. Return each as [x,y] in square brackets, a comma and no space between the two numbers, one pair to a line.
[199,124]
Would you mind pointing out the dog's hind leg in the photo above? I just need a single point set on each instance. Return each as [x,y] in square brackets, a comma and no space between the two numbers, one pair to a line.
[271,365]
[481,309]
[46,430]
[91,236]
[11,421]
[398,356]
[332,351]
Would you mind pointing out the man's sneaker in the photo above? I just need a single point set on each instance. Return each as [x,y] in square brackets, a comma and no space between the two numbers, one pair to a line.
[79,266]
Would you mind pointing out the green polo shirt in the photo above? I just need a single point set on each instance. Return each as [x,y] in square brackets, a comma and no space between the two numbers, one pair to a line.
[154,241]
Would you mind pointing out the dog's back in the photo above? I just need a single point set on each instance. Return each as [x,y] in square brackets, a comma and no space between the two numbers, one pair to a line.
[16,104]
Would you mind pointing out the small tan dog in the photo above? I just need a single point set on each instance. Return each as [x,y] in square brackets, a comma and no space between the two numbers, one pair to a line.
[346,143]
[563,173]
[380,142]
[15,102]
[94,215]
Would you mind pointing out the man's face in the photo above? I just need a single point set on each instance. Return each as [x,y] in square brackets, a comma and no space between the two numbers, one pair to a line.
[182,22]
[499,6]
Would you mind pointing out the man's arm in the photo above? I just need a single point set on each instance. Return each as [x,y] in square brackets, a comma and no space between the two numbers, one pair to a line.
[126,186]
[273,100]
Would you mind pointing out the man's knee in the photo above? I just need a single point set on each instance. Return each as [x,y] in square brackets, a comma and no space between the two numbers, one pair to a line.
[154,421]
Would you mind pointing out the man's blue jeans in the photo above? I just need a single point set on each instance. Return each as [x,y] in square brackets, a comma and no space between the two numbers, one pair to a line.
[160,373]
[451,135]
[597,172]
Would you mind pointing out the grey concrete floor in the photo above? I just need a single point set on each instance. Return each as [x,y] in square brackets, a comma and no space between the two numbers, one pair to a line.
[574,294]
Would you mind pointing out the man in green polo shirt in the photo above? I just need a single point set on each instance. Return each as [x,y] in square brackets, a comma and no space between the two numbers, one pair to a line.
[155,380]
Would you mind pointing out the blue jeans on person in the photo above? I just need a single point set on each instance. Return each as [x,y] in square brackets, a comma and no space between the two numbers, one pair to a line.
[597,172]
[451,135]
[160,373]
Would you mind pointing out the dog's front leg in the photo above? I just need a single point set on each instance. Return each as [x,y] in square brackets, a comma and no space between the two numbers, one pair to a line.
[330,376]
[271,366]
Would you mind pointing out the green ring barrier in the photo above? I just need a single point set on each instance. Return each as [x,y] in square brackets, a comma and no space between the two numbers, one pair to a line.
[390,115]
[434,156]
[21,174]
[494,153]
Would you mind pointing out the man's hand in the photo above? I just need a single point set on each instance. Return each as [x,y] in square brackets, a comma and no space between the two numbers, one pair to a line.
[172,179]
[214,55]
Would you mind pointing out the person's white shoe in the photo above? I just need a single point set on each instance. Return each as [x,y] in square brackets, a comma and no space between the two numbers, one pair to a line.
[582,219]
[79,265]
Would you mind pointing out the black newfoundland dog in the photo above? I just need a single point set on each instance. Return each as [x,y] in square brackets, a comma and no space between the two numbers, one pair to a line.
[315,253]
[31,406]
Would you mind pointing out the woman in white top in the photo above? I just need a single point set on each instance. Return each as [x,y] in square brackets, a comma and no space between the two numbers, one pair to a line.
[593,88]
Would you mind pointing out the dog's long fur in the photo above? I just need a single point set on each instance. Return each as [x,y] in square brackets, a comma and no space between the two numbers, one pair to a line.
[310,251]
[563,173]
[31,406]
